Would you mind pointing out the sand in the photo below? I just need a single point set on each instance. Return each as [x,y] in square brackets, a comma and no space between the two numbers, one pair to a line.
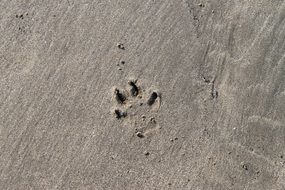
[131,95]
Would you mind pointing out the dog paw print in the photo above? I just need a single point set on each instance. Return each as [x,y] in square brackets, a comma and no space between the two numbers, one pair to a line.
[138,107]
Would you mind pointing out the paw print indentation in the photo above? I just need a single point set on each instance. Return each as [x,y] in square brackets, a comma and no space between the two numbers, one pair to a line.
[134,89]
[120,97]
[138,107]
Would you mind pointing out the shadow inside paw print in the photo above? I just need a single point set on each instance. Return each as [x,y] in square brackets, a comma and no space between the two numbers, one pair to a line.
[134,88]
[119,114]
[120,97]
[138,106]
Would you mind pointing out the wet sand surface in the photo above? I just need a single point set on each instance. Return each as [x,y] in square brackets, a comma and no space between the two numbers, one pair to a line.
[155,94]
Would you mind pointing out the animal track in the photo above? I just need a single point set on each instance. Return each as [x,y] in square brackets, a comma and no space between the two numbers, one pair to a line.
[119,96]
[152,98]
[119,114]
[134,88]
[130,108]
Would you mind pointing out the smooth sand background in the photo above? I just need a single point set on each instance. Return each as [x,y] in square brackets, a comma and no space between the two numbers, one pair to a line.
[219,69]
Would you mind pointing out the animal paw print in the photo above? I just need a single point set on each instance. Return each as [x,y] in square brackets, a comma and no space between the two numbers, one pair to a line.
[138,106]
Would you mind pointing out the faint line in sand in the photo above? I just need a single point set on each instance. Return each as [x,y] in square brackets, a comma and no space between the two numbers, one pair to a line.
[265,120]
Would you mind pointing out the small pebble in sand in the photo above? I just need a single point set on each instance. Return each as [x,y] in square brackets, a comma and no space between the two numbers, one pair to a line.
[152,119]
[244,166]
[146,153]
[140,135]
[201,5]
[121,46]
[175,139]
